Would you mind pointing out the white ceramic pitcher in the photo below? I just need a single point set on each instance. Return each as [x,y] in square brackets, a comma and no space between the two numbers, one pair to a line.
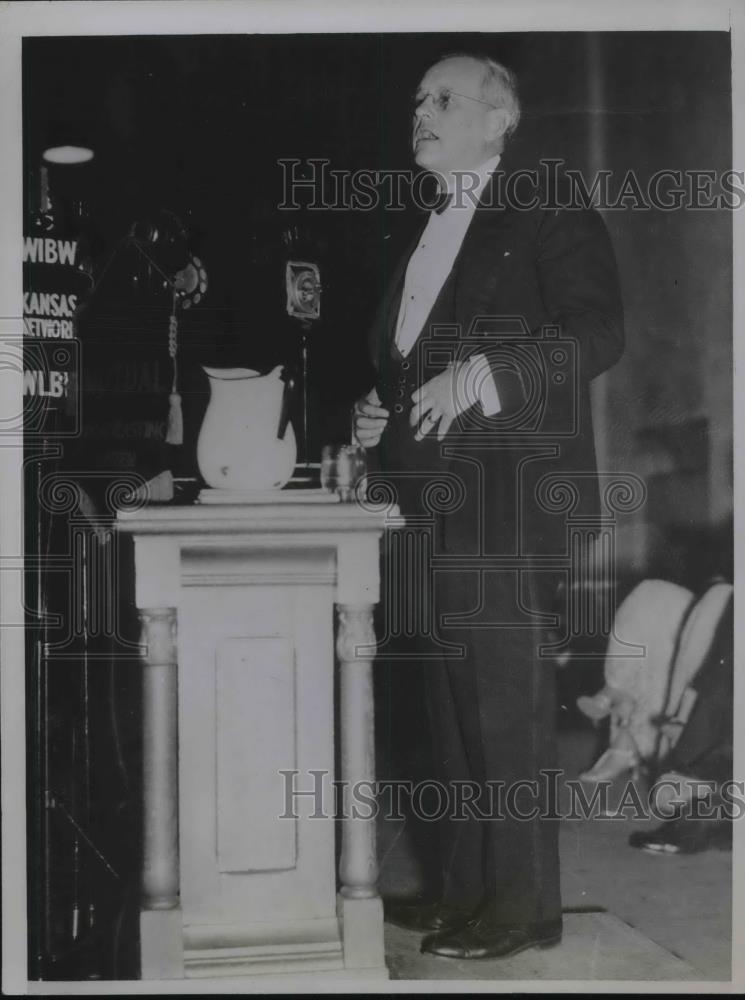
[239,447]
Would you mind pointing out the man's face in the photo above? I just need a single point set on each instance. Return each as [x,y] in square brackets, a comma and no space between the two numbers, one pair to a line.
[450,130]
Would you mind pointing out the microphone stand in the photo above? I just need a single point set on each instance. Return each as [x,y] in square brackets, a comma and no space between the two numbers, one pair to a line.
[303,304]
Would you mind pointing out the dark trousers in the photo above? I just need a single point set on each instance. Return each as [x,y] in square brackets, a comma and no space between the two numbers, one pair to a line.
[489,694]
[490,702]
[704,749]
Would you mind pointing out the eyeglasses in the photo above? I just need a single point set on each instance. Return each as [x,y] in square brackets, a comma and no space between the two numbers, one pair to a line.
[442,100]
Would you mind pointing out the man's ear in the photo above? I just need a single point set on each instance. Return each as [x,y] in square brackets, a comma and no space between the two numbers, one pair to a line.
[497,122]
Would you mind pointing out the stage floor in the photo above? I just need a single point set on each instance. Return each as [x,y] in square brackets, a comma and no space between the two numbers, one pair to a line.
[645,916]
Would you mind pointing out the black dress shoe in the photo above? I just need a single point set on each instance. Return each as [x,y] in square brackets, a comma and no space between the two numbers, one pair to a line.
[683,835]
[426,916]
[481,937]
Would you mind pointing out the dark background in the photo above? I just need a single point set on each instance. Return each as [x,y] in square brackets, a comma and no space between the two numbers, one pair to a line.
[197,124]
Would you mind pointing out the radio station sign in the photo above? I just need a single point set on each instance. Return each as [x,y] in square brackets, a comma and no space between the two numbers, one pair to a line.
[52,288]
[51,394]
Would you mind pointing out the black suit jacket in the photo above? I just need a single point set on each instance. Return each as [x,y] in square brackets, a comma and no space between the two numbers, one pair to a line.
[536,290]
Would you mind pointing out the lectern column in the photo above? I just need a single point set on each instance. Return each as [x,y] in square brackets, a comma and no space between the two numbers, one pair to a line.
[160,868]
[359,904]
[358,869]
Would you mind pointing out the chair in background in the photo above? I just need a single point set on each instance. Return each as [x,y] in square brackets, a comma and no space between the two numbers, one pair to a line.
[647,691]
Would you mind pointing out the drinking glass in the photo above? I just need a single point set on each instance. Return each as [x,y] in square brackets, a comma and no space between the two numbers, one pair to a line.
[342,468]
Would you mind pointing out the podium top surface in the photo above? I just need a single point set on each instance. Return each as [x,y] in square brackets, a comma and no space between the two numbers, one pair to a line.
[292,511]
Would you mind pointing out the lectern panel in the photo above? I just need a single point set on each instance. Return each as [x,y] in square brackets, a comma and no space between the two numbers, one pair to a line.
[256,697]
[255,742]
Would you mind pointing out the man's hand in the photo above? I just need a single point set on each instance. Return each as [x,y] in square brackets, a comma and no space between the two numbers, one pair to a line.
[370,419]
[437,403]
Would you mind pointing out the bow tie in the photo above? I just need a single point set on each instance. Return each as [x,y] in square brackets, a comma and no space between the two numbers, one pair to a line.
[443,200]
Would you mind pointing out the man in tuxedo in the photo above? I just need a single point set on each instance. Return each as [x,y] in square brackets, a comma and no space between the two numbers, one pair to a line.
[492,327]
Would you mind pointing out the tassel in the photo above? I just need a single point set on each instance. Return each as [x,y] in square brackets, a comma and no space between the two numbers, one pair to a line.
[175,432]
[175,429]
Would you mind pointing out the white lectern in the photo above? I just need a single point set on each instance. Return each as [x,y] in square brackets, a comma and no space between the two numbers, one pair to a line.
[237,603]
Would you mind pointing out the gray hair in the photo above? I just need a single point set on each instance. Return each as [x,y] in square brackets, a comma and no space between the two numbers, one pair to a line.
[498,86]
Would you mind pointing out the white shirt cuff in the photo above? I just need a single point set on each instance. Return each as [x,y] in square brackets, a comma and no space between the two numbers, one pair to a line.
[476,385]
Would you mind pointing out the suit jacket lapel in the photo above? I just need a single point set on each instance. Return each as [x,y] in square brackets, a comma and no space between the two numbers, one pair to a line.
[384,327]
[476,267]
[473,274]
